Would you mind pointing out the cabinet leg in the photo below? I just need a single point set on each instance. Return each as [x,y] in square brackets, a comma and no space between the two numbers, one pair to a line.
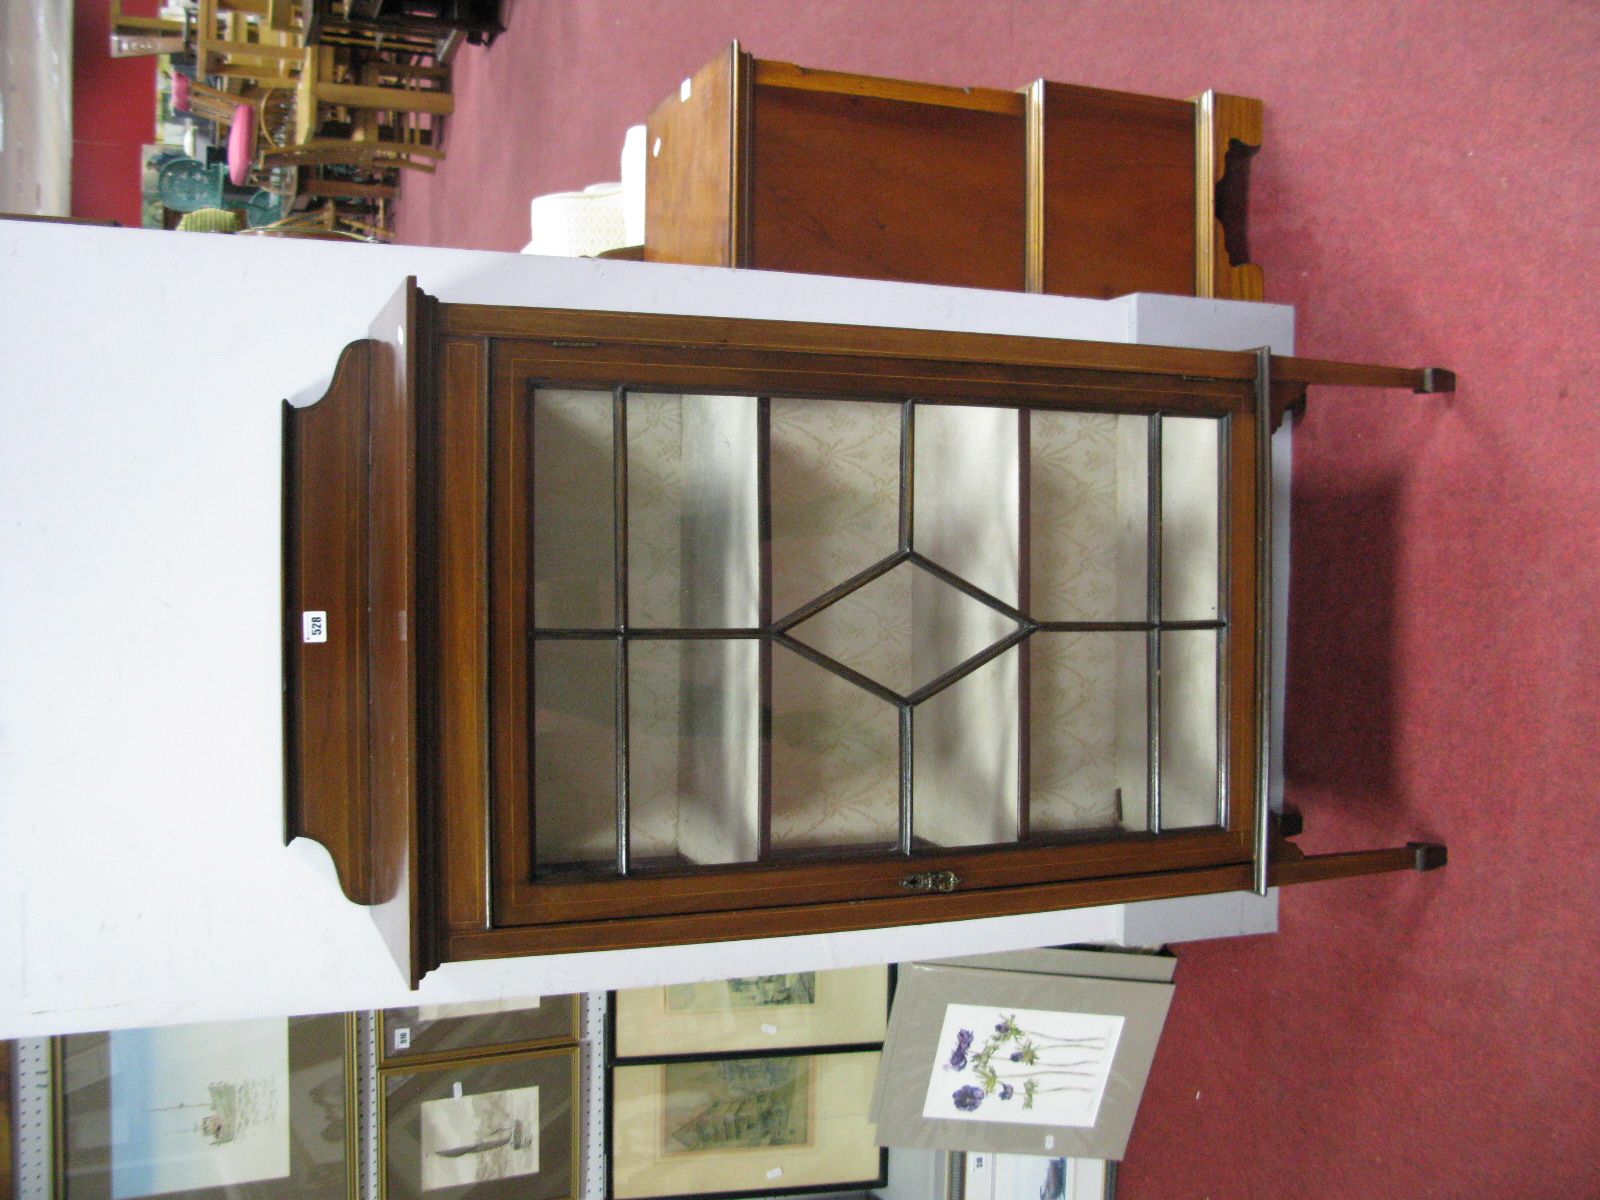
[1311,868]
[1429,856]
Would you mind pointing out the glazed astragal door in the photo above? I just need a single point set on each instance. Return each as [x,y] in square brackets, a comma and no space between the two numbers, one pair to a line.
[608,630]
[764,635]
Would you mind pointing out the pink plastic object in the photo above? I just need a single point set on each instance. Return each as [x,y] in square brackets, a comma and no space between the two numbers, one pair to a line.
[180,91]
[241,144]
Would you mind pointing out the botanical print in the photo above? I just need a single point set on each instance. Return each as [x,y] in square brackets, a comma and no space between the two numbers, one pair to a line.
[1021,1066]
[475,1008]
[736,1104]
[477,1139]
[198,1106]
[749,991]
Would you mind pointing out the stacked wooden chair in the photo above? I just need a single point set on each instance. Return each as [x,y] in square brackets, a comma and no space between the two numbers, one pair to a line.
[318,105]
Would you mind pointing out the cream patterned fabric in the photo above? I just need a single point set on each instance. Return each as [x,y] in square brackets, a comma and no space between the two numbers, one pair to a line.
[694,706]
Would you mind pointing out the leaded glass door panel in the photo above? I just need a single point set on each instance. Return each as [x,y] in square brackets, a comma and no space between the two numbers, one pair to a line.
[781,644]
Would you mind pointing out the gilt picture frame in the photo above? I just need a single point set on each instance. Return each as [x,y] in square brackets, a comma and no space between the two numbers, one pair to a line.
[447,1032]
[1016,1062]
[803,1009]
[502,1128]
[238,1110]
[764,1125]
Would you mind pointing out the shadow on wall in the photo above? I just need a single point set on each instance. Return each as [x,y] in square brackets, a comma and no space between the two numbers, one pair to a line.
[1339,735]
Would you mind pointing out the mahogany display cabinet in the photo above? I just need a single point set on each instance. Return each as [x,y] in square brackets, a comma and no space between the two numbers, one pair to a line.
[1056,188]
[607,630]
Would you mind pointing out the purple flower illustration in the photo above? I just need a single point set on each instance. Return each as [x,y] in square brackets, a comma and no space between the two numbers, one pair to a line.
[1016,1056]
[968,1098]
[1007,1091]
[958,1057]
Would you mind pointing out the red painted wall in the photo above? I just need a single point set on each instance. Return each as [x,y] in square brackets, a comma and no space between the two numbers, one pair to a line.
[113,115]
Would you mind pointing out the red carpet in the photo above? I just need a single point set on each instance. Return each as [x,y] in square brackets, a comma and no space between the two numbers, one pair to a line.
[1425,196]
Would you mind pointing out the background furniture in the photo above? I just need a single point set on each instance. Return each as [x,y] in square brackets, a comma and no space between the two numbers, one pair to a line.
[512,748]
[1071,190]
[376,21]
[288,97]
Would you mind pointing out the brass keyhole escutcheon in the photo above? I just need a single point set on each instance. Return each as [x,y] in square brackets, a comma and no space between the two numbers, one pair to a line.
[931,881]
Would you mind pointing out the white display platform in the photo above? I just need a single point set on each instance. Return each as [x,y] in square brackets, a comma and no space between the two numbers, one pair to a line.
[143,879]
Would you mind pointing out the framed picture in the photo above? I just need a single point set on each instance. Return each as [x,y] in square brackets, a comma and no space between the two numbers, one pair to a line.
[1013,1062]
[431,1033]
[481,1129]
[742,1126]
[7,1122]
[238,1110]
[848,1007]
[1036,1177]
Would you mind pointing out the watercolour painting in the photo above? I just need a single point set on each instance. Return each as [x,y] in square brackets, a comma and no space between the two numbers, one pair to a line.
[748,991]
[736,1104]
[480,1138]
[198,1106]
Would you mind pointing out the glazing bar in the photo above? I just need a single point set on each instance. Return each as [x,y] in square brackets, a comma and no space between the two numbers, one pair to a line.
[908,451]
[764,616]
[971,589]
[967,666]
[905,779]
[619,516]
[688,635]
[1024,603]
[622,755]
[840,591]
[562,634]
[1152,696]
[839,669]
[1263,645]
[1122,626]
[1224,610]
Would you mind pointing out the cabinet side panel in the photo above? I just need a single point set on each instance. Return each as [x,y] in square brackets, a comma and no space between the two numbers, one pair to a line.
[393,623]
[1224,124]
[462,516]
[1243,563]
[325,635]
[879,188]
[689,170]
[509,729]
[1118,192]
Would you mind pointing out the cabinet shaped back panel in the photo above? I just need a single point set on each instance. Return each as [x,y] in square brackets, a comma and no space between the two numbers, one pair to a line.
[693,191]
[886,187]
[1117,191]
[651,629]
[1057,188]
